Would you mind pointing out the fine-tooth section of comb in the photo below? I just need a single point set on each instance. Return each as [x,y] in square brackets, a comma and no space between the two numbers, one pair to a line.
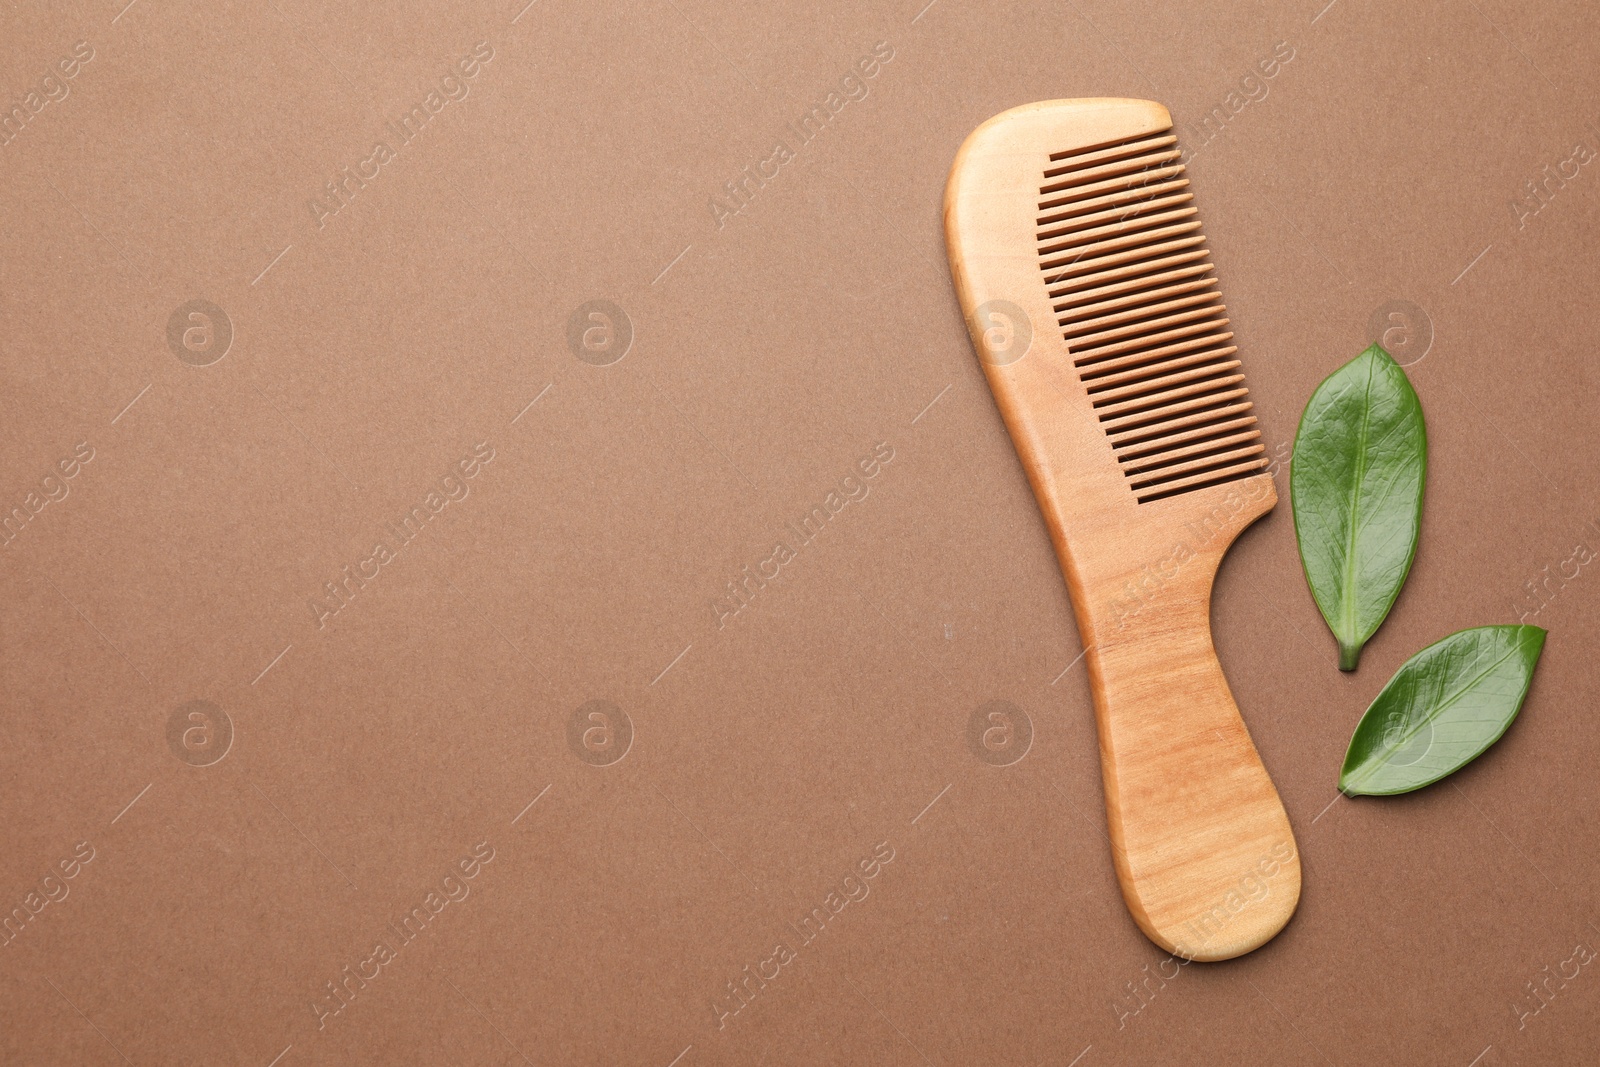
[1129,279]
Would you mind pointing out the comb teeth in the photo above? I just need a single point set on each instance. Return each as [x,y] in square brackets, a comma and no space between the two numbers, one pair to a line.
[1129,278]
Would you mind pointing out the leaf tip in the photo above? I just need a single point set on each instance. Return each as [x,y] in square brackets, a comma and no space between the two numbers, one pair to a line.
[1348,779]
[1533,640]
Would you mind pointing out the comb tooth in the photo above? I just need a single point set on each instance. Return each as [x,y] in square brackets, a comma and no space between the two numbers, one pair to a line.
[1140,371]
[1158,460]
[1116,169]
[1126,223]
[1136,181]
[1160,446]
[1154,322]
[1163,400]
[1130,148]
[1209,328]
[1117,212]
[1158,433]
[1122,198]
[1086,367]
[1184,263]
[1126,238]
[1196,405]
[1142,388]
[1132,287]
[1203,479]
[1135,306]
[1128,274]
[1092,271]
[1194,466]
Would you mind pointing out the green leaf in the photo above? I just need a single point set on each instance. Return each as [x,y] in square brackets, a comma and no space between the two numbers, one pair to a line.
[1355,484]
[1443,707]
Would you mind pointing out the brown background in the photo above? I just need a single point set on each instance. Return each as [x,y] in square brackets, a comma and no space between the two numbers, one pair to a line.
[770,755]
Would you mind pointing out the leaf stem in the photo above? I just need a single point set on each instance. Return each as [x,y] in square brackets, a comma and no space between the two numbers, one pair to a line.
[1349,655]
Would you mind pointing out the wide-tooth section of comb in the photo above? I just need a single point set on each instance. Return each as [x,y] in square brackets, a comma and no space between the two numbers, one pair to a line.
[1129,277]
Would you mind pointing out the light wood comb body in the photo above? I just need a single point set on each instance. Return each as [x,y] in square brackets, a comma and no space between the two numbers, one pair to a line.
[1086,286]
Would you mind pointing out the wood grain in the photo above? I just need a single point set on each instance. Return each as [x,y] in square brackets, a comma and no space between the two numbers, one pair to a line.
[1132,421]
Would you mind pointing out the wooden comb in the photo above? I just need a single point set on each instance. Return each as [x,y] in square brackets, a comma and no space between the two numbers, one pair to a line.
[1089,294]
